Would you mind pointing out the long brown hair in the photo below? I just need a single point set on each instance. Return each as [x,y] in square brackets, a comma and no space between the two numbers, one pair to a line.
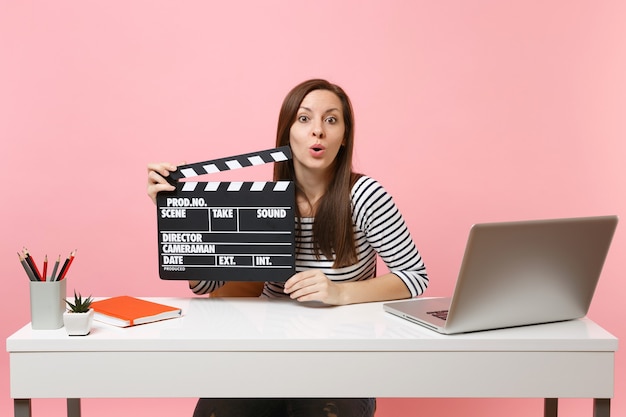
[332,229]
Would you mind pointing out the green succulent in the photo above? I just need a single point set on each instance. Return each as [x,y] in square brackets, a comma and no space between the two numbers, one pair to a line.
[80,305]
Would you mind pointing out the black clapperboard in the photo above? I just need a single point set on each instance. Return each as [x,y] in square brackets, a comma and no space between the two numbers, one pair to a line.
[227,231]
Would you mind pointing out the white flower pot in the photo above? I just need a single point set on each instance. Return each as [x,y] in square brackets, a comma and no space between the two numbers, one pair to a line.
[78,324]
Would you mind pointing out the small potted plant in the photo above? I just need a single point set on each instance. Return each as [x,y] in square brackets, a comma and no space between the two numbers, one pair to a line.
[79,316]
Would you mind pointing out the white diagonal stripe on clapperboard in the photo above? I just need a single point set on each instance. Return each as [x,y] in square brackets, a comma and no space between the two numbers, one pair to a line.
[210,168]
[258,186]
[281,186]
[279,156]
[234,186]
[212,186]
[189,172]
[189,186]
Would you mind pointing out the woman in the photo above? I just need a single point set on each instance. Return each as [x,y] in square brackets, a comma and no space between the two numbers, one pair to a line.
[343,220]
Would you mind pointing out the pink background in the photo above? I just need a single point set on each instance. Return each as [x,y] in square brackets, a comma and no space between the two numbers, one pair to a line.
[467,111]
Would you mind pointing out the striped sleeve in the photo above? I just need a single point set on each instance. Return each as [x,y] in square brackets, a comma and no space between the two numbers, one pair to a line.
[377,216]
[205,287]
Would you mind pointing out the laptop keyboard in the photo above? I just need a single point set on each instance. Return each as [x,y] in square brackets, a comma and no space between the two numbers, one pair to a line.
[440,314]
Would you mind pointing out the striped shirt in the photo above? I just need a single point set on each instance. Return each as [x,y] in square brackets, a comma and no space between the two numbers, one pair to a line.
[379,229]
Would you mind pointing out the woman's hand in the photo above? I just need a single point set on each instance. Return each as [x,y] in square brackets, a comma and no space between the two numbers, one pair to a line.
[313,285]
[156,178]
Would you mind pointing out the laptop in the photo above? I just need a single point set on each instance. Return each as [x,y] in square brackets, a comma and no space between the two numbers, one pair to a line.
[517,274]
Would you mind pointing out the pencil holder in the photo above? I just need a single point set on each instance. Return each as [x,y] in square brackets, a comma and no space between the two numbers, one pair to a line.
[47,304]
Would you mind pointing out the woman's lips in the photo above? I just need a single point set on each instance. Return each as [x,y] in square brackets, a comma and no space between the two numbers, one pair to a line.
[317,151]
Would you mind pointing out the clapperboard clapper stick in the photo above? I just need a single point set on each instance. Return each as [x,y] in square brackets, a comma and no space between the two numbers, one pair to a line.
[227,231]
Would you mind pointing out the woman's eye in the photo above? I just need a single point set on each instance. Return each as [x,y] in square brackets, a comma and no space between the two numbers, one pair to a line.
[303,119]
[331,120]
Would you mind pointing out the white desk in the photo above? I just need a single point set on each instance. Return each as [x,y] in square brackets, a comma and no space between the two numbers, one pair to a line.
[349,351]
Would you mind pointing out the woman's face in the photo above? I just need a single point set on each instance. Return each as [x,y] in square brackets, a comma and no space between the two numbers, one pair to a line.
[318,132]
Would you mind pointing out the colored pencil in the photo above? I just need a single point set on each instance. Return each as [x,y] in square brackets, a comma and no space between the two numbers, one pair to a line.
[71,259]
[54,270]
[29,272]
[32,264]
[63,268]
[44,277]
